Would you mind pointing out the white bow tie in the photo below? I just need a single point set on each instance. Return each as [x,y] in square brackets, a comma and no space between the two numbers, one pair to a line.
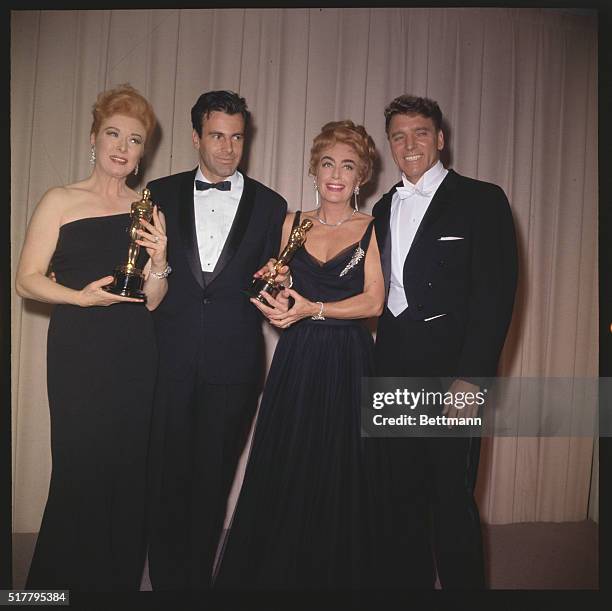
[405,192]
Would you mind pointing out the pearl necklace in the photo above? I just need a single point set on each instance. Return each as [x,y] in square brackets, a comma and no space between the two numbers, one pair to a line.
[334,224]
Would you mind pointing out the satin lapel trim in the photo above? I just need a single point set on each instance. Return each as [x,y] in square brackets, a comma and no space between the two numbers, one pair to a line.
[440,202]
[383,219]
[187,227]
[384,238]
[236,234]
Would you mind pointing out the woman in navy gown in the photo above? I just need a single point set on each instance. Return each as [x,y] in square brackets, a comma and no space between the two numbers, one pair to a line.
[304,518]
[101,360]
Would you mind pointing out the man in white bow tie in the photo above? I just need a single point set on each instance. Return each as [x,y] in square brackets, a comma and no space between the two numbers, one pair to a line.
[448,252]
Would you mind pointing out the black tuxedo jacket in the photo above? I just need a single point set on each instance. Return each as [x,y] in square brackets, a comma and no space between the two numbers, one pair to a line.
[210,329]
[472,280]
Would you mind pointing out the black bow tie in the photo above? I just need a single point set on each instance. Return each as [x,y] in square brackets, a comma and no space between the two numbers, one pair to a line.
[224,185]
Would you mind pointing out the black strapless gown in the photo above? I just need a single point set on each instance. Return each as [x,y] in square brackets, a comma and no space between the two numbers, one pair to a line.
[304,516]
[101,366]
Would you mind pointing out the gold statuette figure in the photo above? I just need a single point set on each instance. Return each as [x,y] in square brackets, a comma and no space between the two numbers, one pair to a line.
[128,279]
[267,284]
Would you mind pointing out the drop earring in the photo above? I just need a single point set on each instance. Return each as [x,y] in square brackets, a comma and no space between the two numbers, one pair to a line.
[92,155]
[316,188]
[136,170]
[356,192]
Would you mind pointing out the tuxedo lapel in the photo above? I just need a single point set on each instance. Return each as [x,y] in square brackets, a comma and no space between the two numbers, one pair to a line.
[437,207]
[236,234]
[383,234]
[189,238]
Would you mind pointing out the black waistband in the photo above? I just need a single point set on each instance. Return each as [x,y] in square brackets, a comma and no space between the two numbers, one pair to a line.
[331,322]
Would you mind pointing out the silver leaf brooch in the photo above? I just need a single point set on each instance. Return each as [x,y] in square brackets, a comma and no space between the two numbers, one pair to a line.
[357,256]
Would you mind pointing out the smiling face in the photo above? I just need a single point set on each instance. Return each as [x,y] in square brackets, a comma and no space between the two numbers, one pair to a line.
[119,145]
[415,144]
[338,173]
[221,144]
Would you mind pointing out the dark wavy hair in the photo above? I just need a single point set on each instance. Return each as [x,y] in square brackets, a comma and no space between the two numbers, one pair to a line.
[413,105]
[348,133]
[223,101]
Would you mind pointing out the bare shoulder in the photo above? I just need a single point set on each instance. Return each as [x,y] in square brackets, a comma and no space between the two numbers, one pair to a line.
[56,194]
[288,222]
[68,203]
[55,202]
[360,221]
[309,213]
[48,214]
[78,187]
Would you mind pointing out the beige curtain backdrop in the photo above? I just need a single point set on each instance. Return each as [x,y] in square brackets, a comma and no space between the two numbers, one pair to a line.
[519,91]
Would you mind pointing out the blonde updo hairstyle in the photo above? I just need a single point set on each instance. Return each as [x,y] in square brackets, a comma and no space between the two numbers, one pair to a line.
[123,100]
[345,132]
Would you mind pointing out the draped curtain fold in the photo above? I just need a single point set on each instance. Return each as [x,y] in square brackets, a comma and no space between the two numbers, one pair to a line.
[518,88]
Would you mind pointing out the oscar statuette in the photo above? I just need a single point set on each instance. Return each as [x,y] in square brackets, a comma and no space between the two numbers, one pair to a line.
[267,284]
[128,279]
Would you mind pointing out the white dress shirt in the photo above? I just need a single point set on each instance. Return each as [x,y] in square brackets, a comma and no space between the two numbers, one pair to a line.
[408,207]
[214,214]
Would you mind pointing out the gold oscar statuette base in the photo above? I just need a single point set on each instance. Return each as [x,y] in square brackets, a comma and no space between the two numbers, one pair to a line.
[263,285]
[127,282]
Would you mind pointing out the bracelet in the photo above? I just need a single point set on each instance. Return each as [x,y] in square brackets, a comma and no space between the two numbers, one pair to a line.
[290,281]
[319,316]
[163,274]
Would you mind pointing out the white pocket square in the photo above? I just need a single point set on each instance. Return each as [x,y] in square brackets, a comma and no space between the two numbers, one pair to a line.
[433,317]
[450,237]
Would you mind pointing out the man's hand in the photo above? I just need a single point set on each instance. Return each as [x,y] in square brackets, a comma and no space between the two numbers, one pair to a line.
[470,410]
[281,277]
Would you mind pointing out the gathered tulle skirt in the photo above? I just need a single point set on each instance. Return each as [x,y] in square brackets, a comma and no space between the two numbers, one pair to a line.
[305,517]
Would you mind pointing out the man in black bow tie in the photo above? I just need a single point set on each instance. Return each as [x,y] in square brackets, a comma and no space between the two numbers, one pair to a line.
[449,259]
[224,185]
[222,226]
